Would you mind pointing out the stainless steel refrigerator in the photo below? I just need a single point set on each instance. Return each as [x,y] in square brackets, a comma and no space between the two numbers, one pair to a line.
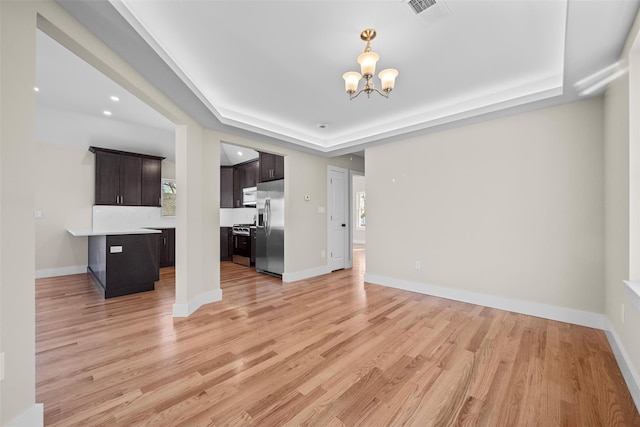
[270,228]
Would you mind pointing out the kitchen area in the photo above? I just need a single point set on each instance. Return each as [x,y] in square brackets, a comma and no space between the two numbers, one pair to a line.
[130,239]
[133,217]
[252,209]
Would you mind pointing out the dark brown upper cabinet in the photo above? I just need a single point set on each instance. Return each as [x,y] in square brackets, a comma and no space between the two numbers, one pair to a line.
[271,167]
[251,172]
[238,175]
[234,179]
[151,182]
[127,179]
[226,187]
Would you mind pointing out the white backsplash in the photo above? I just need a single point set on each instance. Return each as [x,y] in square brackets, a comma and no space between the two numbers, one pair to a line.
[126,217]
[228,217]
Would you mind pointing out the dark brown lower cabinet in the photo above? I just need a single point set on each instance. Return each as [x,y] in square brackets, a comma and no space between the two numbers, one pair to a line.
[167,247]
[226,244]
[124,264]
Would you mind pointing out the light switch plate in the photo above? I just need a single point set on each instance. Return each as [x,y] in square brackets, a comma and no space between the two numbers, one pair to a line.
[115,249]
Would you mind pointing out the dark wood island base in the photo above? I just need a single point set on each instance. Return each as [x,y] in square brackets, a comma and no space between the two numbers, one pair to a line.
[124,264]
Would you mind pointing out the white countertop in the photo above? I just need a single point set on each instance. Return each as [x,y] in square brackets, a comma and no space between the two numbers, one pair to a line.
[161,224]
[88,231]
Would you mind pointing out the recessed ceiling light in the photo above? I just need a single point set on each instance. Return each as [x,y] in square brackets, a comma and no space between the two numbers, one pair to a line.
[106,113]
[36,89]
[240,153]
[115,98]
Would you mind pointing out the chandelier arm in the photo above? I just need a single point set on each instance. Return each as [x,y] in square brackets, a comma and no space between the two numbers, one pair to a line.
[385,94]
[352,96]
[368,90]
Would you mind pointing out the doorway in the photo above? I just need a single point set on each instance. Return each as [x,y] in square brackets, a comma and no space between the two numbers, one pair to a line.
[358,219]
[338,217]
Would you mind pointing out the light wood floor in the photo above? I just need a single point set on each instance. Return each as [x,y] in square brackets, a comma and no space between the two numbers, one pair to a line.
[330,351]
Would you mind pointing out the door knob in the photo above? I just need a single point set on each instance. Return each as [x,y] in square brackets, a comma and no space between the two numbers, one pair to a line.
[344,225]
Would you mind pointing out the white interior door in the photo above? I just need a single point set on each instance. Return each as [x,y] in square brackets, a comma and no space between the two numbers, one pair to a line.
[338,211]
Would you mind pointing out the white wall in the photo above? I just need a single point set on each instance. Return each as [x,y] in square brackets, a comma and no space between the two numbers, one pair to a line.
[622,220]
[65,177]
[358,185]
[17,183]
[168,169]
[510,208]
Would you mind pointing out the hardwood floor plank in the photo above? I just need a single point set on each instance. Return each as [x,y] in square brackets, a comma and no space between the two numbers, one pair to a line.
[331,350]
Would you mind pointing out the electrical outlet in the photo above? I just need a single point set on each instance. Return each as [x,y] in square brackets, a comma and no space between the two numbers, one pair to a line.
[622,313]
[323,254]
[418,265]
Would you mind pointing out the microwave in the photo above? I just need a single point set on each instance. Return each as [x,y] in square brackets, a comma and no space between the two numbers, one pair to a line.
[249,196]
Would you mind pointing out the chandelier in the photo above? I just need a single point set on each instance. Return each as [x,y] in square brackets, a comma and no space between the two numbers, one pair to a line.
[367,61]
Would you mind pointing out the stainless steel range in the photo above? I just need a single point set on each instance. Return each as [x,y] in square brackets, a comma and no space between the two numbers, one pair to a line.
[242,244]
[241,230]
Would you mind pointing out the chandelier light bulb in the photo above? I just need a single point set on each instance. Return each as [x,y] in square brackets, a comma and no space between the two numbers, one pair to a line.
[351,80]
[368,62]
[388,78]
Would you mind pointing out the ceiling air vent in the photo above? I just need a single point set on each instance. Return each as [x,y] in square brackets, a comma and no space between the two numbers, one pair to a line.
[419,6]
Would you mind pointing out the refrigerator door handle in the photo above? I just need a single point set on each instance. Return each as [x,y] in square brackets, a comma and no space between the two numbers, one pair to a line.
[270,217]
[267,208]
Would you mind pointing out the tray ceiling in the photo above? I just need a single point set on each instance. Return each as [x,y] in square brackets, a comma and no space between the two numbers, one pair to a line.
[274,68]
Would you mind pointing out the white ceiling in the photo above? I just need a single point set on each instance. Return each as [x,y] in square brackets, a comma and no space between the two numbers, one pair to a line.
[232,154]
[72,97]
[273,68]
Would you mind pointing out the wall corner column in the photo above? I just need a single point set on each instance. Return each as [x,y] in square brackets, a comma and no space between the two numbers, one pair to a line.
[17,228]
[197,269]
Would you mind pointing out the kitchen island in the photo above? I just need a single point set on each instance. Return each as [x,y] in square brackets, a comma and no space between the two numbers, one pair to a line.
[122,261]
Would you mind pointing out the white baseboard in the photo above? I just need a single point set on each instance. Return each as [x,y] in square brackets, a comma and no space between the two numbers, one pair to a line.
[186,309]
[562,314]
[305,274]
[62,271]
[34,417]
[624,362]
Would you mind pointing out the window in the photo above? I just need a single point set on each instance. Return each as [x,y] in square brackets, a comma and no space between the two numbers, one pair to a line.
[362,217]
[168,197]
